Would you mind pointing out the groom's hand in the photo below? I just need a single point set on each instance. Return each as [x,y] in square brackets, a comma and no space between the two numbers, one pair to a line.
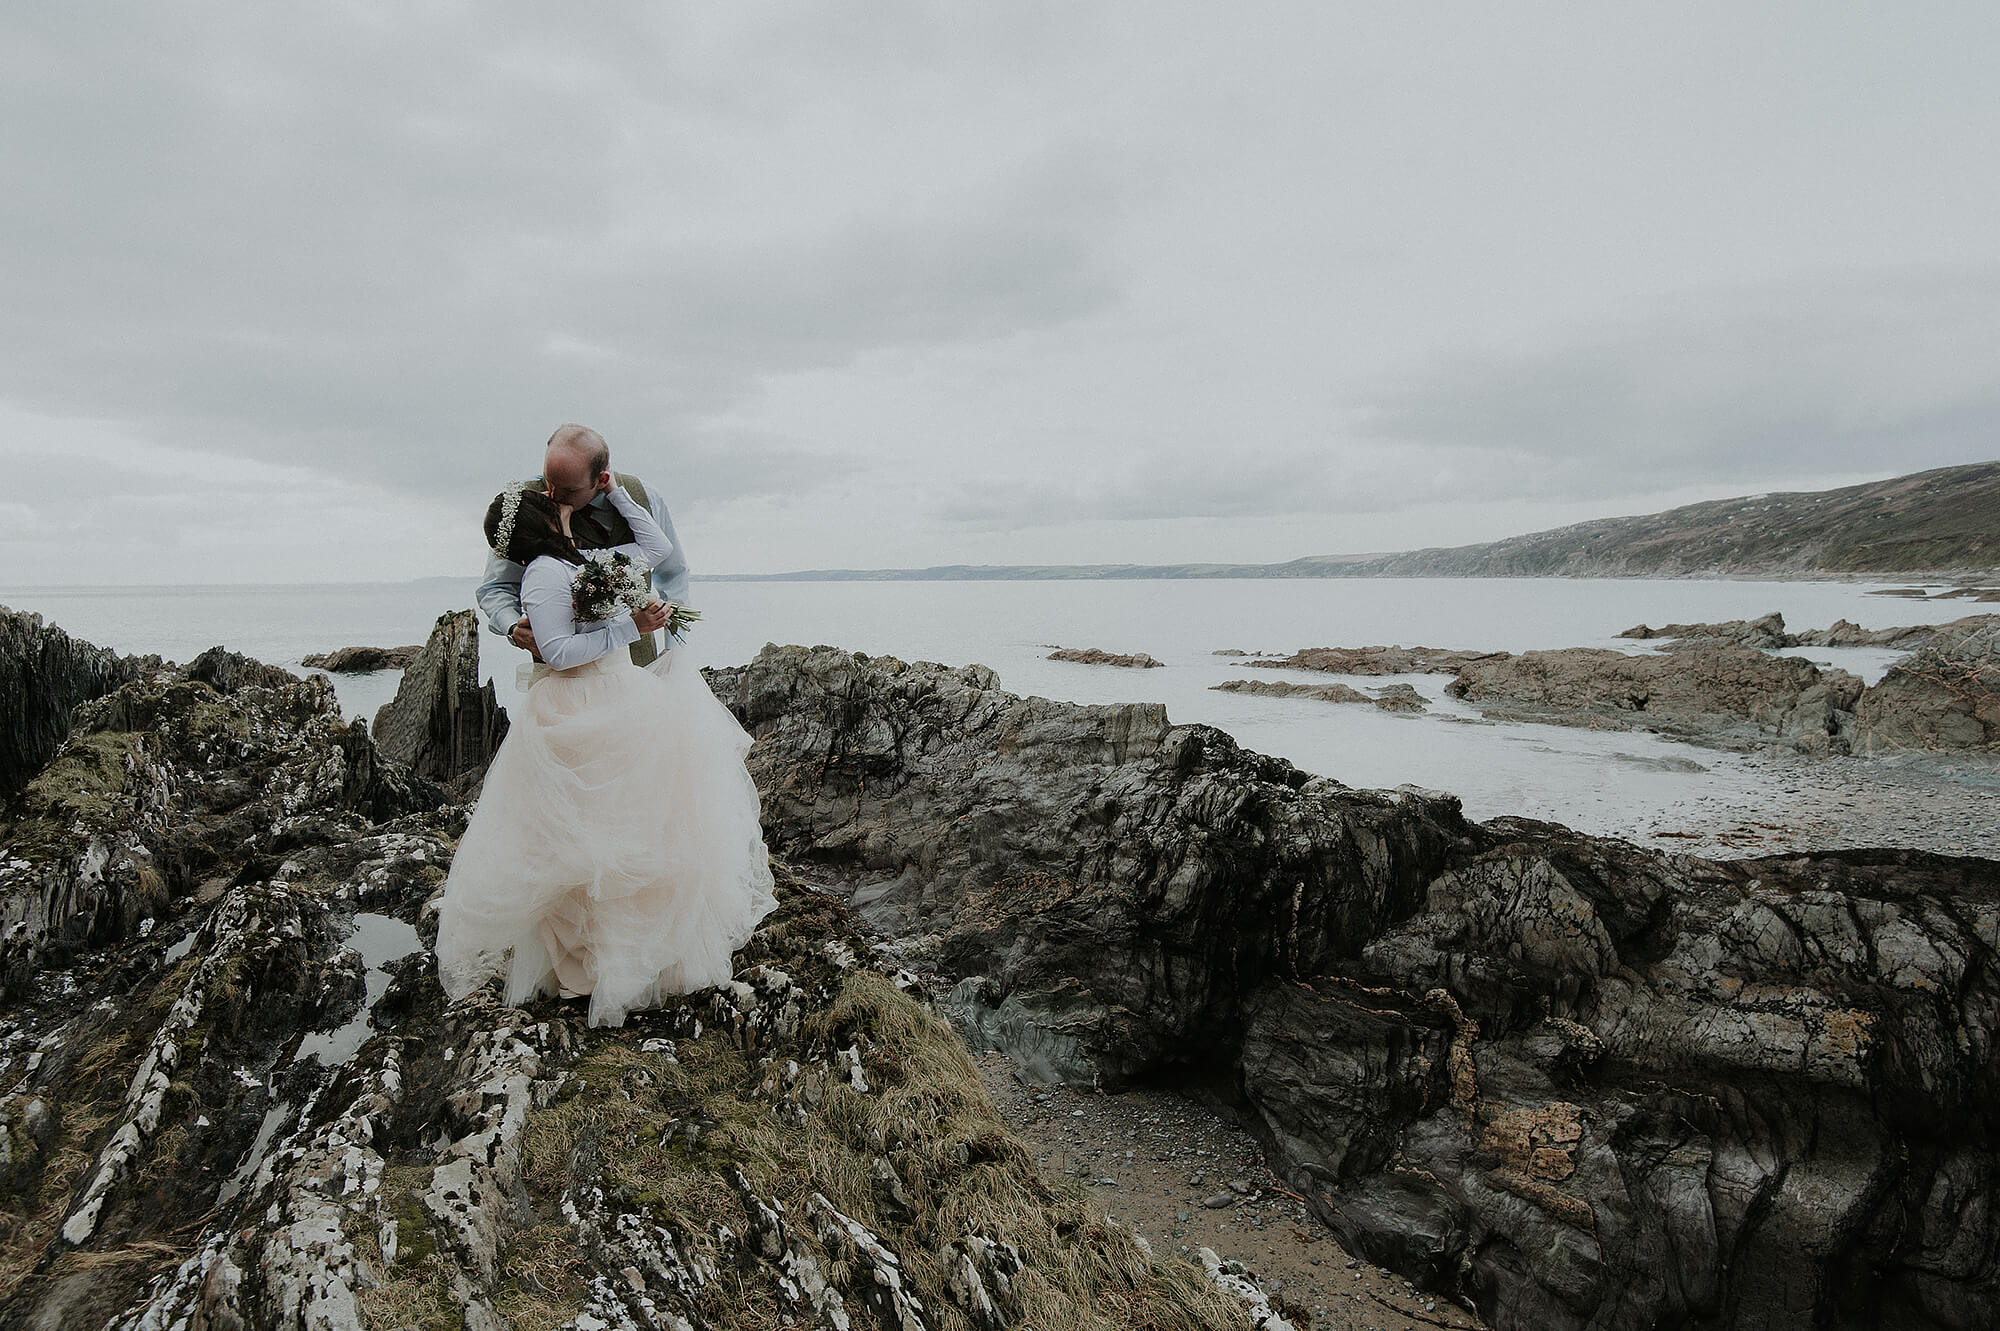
[524,637]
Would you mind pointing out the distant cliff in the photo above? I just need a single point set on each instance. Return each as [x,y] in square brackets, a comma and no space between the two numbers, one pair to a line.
[1942,522]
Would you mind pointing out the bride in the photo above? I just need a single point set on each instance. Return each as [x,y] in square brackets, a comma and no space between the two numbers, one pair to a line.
[615,850]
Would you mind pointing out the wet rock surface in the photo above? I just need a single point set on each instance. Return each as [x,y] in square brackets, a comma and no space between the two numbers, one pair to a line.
[1577,1082]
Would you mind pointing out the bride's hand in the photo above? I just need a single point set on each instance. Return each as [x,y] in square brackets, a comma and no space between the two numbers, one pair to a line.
[651,616]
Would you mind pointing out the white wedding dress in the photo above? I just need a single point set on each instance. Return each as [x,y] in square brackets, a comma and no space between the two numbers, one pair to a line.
[615,850]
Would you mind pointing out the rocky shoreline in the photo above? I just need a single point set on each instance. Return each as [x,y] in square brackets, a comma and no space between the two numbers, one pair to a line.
[1717,685]
[1569,1081]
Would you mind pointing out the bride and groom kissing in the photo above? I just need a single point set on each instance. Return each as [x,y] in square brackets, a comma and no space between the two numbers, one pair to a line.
[615,851]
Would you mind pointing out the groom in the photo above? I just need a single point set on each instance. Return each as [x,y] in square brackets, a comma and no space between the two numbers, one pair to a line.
[576,470]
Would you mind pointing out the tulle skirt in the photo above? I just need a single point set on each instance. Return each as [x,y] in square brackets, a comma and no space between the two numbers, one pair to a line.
[615,849]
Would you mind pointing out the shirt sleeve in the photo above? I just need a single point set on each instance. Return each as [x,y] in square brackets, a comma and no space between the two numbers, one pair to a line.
[545,595]
[654,545]
[499,597]
[670,577]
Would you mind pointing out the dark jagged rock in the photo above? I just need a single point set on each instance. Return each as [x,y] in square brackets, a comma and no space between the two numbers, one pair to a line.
[226,672]
[233,1095]
[361,660]
[44,674]
[166,783]
[1584,1084]
[1724,696]
[443,723]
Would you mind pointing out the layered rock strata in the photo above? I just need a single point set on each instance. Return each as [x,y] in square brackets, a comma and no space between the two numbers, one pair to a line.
[1583,1084]
[1944,697]
[443,723]
[1722,696]
[44,674]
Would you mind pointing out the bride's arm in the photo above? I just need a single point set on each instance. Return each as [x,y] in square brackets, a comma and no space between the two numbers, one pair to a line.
[545,595]
[653,543]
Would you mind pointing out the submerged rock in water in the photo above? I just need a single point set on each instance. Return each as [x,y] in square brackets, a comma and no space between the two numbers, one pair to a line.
[1390,698]
[443,723]
[44,674]
[361,660]
[1375,660]
[1098,656]
[1581,1083]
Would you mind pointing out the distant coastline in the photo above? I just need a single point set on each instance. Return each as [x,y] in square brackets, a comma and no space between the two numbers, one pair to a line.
[1938,525]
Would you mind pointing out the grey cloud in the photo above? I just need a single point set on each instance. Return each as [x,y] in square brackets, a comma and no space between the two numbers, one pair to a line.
[1234,479]
[1796,380]
[406,246]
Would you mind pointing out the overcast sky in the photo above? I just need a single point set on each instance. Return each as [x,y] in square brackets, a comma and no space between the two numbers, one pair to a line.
[290,291]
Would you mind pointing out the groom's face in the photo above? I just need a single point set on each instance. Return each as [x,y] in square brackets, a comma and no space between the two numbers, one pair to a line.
[569,480]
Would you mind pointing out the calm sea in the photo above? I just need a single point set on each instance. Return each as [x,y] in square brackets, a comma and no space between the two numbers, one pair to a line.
[1596,781]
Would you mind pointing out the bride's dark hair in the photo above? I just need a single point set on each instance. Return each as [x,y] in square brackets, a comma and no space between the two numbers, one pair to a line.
[537,529]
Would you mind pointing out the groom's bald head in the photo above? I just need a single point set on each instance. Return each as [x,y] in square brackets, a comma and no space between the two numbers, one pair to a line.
[584,444]
[576,459]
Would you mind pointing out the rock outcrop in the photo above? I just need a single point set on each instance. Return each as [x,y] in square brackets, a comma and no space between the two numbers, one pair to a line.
[44,674]
[232,1094]
[362,660]
[167,787]
[1390,698]
[1769,632]
[1098,656]
[1732,697]
[1581,1083]
[443,723]
[1941,698]
[1375,660]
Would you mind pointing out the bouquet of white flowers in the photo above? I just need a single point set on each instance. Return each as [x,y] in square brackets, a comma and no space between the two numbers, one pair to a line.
[603,587]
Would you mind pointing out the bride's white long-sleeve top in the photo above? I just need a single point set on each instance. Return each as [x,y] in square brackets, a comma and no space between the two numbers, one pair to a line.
[545,594]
